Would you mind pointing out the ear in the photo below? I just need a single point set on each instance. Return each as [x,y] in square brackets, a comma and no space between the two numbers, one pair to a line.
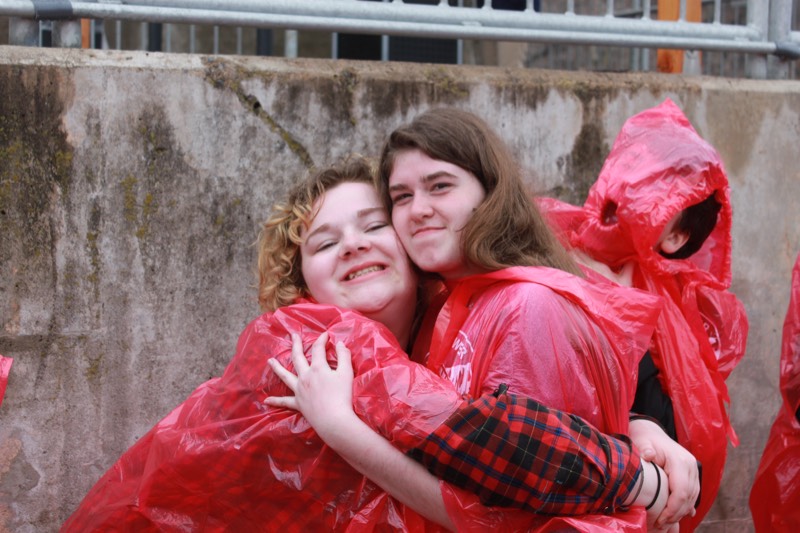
[673,242]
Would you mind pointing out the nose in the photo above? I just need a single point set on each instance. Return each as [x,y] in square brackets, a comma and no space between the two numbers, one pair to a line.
[353,242]
[420,207]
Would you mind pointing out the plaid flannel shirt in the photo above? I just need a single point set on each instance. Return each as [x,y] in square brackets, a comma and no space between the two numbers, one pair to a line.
[514,452]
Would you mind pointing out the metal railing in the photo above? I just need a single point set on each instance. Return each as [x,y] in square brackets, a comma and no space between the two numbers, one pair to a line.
[766,37]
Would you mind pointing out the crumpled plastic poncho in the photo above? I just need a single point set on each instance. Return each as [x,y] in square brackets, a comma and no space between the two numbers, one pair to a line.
[551,336]
[5,368]
[657,167]
[224,461]
[775,496]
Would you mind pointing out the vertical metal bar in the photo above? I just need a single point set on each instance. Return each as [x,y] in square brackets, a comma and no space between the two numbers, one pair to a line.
[682,11]
[758,18]
[717,11]
[216,40]
[460,43]
[646,9]
[610,8]
[290,43]
[335,45]
[239,39]
[192,38]
[570,7]
[385,43]
[168,37]
[23,32]
[142,36]
[118,35]
[780,29]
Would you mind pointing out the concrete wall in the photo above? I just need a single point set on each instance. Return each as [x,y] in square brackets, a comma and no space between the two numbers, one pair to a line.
[132,186]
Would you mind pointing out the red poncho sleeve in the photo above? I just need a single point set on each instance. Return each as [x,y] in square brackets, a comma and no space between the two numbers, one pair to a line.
[775,496]
[224,461]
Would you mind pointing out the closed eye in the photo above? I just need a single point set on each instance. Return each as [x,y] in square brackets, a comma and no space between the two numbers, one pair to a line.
[376,226]
[324,246]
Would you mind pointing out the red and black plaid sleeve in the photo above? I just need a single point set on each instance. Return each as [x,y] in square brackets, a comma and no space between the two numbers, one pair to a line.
[515,452]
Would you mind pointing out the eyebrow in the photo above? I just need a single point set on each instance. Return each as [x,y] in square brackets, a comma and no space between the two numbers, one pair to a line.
[425,179]
[361,213]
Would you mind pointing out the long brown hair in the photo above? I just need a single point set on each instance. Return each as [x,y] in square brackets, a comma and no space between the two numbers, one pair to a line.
[507,229]
[280,277]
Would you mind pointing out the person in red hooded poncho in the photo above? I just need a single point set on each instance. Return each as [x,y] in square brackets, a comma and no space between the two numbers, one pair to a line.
[514,314]
[635,228]
[224,460]
[5,368]
[775,495]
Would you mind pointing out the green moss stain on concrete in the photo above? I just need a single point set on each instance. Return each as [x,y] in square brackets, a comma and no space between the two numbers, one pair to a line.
[35,165]
[130,209]
[93,250]
[445,87]
[93,367]
[226,76]
[582,165]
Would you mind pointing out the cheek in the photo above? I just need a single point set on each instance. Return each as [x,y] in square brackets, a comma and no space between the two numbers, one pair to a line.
[312,275]
[400,222]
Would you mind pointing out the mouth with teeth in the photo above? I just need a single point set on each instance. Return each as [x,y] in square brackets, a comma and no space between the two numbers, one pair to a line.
[363,272]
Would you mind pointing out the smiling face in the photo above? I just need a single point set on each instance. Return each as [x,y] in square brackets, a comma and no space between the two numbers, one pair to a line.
[432,201]
[351,257]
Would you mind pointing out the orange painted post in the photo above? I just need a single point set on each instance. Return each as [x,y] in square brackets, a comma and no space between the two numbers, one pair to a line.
[86,33]
[672,60]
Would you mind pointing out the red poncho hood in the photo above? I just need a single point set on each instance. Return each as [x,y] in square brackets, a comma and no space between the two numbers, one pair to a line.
[657,167]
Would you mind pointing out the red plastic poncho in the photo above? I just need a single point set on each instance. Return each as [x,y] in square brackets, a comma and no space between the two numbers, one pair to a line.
[551,336]
[657,167]
[775,496]
[224,461]
[5,368]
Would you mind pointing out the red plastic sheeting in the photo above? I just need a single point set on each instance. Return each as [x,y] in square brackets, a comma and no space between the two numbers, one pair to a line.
[224,461]
[485,334]
[5,368]
[657,167]
[775,496]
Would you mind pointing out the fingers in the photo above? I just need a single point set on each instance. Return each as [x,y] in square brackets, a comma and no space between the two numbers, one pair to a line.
[343,356]
[318,356]
[298,356]
[684,488]
[289,379]
[289,402]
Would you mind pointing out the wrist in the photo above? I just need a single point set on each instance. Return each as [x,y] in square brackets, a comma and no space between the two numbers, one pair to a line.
[655,492]
[338,428]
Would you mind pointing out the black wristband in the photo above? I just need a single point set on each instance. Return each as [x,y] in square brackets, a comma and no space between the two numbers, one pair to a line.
[658,488]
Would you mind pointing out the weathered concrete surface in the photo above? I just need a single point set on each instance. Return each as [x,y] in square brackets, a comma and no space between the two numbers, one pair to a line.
[132,186]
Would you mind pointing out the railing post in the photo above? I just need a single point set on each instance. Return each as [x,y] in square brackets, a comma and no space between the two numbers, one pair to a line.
[23,32]
[758,18]
[780,28]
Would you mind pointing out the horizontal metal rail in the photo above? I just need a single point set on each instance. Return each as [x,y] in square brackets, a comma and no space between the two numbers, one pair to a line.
[439,21]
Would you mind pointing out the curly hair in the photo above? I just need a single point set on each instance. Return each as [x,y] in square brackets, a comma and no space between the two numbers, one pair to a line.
[280,277]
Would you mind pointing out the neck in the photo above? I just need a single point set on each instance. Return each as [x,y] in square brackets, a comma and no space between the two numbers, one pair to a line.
[399,323]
